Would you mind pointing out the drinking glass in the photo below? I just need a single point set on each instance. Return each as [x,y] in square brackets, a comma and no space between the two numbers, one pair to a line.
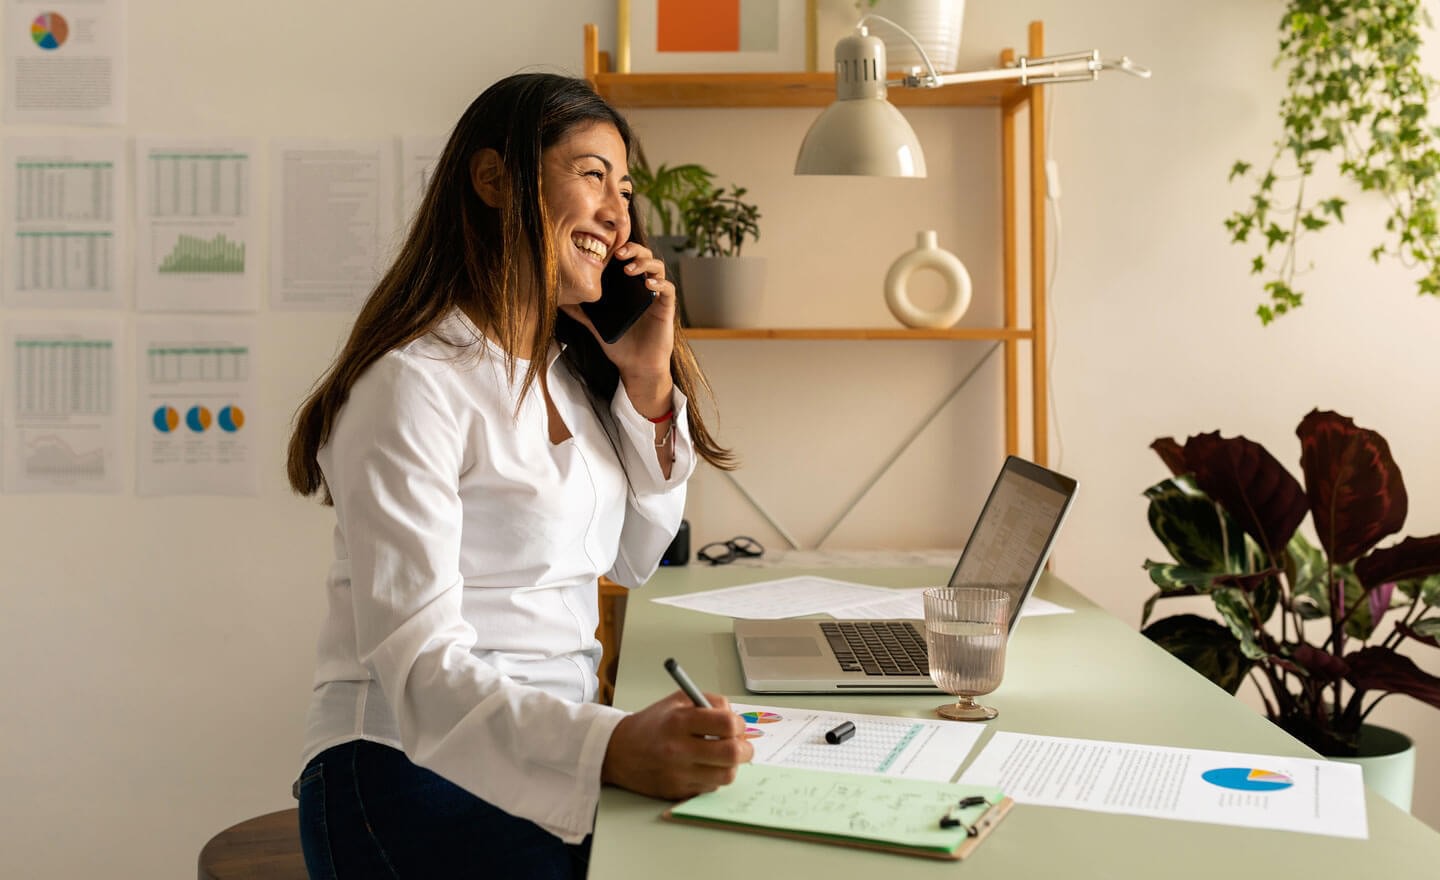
[965,632]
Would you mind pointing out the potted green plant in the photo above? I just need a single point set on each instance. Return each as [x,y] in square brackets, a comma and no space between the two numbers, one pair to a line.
[723,287]
[1302,621]
[1356,102]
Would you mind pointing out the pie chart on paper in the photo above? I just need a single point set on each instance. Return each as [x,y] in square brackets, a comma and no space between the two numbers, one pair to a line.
[49,30]
[198,419]
[1248,779]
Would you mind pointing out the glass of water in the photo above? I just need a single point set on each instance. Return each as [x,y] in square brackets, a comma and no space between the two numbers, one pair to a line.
[965,632]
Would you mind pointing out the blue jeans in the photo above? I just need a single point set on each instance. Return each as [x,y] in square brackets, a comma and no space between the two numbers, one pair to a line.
[367,811]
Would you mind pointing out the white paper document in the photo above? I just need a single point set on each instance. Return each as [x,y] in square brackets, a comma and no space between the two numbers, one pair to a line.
[194,413]
[798,596]
[62,222]
[1194,785]
[882,745]
[196,248]
[65,61]
[910,604]
[775,600]
[62,431]
[332,229]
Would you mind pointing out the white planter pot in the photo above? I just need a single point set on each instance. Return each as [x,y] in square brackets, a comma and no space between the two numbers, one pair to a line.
[724,291]
[1387,760]
[935,24]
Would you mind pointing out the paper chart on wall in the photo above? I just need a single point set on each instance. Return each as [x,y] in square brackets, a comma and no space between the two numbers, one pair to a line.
[61,430]
[62,224]
[196,250]
[195,413]
[883,745]
[1194,785]
[65,61]
[332,230]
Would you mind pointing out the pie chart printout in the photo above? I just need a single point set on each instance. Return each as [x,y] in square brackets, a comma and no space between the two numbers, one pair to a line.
[49,30]
[1247,779]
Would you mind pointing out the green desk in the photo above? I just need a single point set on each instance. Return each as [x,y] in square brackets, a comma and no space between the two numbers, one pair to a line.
[1082,675]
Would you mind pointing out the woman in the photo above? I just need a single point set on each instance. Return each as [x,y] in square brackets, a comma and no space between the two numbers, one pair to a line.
[488,458]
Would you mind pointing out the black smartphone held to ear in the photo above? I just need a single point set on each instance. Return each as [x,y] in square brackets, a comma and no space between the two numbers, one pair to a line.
[623,299]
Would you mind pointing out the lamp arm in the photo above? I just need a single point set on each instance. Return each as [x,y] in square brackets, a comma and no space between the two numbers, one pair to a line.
[1071,67]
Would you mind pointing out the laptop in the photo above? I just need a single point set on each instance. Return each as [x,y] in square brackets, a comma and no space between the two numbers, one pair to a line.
[1008,547]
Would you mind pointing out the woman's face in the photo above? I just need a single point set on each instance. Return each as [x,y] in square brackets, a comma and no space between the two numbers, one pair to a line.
[587,189]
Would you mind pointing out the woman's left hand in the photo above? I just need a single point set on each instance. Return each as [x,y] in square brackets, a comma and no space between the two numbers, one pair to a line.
[642,355]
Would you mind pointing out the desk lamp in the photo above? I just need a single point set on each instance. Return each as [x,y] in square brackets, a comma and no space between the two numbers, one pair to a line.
[862,132]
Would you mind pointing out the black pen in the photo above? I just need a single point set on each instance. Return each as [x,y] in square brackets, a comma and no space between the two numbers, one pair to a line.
[686,684]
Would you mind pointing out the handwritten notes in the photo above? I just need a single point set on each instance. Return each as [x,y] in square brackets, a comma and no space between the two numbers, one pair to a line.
[886,810]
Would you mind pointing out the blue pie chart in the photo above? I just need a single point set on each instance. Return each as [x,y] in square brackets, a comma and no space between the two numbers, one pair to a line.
[197,419]
[1247,779]
[165,419]
[231,419]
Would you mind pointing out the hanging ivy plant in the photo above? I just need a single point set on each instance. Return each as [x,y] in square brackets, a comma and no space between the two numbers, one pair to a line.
[1355,95]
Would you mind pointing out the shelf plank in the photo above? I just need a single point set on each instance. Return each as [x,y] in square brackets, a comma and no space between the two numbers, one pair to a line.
[892,333]
[641,90]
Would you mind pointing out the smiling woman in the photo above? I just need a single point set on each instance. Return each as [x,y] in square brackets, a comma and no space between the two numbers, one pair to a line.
[489,458]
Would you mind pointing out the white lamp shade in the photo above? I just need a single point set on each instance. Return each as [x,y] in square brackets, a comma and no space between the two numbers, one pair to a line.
[866,136]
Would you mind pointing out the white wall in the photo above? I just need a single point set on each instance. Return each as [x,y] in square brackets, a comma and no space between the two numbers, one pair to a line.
[159,650]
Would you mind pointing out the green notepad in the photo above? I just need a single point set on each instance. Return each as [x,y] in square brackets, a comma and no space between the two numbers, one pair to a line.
[875,812]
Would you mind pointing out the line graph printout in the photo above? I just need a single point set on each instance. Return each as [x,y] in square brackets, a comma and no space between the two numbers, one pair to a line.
[194,208]
[194,422]
[64,62]
[62,223]
[912,748]
[61,428]
[1194,785]
[332,227]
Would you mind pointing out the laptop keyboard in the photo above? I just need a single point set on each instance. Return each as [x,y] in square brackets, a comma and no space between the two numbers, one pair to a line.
[877,647]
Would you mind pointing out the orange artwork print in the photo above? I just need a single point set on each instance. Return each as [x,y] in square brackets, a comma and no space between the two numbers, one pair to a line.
[688,26]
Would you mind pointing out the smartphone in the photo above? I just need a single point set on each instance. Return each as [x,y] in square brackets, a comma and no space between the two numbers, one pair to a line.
[623,299]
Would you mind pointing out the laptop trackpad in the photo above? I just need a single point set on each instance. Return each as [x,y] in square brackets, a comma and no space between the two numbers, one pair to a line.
[781,646]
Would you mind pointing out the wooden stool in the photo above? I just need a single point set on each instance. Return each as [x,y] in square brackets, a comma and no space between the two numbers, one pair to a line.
[266,846]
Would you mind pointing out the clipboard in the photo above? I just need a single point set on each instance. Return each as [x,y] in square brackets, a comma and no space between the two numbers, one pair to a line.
[882,813]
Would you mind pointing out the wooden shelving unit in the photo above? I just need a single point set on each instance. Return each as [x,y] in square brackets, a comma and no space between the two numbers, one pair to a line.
[756,90]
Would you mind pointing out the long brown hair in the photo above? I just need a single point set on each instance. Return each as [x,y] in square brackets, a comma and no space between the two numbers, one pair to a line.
[461,252]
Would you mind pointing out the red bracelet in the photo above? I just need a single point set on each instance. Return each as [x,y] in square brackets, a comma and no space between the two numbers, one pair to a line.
[661,419]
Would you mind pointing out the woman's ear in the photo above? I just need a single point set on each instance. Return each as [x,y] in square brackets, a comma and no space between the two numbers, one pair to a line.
[487,175]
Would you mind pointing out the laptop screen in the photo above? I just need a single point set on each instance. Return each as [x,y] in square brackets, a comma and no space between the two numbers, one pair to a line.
[1012,538]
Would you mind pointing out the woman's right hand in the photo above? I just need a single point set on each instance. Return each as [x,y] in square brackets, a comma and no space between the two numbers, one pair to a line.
[674,749]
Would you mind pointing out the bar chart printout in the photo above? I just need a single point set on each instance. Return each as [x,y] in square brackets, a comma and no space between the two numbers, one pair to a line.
[193,206]
[62,434]
[62,226]
[197,402]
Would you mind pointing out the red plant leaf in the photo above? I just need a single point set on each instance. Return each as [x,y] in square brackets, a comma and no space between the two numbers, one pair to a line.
[1173,454]
[1244,582]
[1251,485]
[1411,632]
[1322,665]
[1381,669]
[1357,495]
[1411,558]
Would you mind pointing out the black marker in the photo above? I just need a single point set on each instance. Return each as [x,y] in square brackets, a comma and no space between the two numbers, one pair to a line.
[685,683]
[841,732]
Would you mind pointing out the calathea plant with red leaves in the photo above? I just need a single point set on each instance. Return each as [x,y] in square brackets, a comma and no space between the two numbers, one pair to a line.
[1302,621]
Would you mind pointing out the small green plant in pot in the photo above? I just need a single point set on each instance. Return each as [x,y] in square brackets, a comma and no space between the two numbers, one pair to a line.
[666,193]
[1302,621]
[723,288]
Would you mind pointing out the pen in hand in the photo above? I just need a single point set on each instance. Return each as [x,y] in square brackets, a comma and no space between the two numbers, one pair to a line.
[686,684]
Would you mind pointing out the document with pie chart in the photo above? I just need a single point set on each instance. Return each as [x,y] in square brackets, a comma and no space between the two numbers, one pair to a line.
[1195,785]
[196,404]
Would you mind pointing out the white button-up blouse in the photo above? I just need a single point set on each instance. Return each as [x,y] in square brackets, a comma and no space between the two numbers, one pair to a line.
[462,602]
